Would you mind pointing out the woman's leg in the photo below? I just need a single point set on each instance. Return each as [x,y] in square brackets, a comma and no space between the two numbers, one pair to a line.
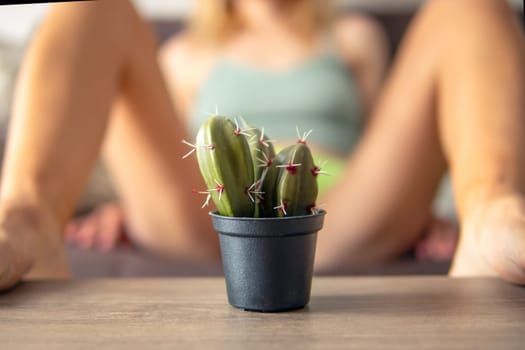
[143,151]
[455,94]
[85,56]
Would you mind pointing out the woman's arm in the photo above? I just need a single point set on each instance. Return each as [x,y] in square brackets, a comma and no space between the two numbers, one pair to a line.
[185,65]
[363,45]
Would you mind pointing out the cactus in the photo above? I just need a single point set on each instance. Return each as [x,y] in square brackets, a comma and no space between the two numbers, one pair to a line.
[296,188]
[262,152]
[244,176]
[226,166]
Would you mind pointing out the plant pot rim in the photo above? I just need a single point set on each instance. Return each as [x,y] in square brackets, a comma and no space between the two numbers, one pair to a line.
[249,218]
[268,226]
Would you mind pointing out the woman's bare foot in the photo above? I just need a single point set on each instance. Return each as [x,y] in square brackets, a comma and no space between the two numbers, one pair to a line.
[15,260]
[101,229]
[30,248]
[492,241]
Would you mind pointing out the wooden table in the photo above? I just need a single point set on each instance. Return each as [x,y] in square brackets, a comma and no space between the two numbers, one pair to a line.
[376,313]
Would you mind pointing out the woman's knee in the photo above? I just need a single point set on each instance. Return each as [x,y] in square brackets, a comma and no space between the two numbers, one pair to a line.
[453,27]
[111,22]
[454,15]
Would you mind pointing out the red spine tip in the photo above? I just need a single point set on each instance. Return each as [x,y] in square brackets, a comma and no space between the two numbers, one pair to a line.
[283,207]
[310,208]
[292,169]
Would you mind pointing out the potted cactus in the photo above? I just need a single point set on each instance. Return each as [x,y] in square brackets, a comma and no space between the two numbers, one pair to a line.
[266,215]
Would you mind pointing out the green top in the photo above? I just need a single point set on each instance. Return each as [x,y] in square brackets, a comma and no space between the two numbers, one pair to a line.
[320,94]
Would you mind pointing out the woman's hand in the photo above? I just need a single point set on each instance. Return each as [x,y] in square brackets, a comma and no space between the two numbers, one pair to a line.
[101,229]
[439,242]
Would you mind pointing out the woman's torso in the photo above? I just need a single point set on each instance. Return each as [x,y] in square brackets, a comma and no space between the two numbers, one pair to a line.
[318,94]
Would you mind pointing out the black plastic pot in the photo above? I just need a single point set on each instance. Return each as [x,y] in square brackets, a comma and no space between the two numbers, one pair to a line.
[268,262]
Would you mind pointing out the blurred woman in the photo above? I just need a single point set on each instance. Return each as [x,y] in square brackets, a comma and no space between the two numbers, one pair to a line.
[445,103]
[325,78]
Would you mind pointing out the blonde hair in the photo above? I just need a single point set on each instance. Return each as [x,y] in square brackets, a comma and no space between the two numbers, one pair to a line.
[214,21]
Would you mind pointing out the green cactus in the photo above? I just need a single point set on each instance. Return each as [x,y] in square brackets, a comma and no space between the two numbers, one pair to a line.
[262,152]
[246,178]
[296,188]
[269,182]
[226,166]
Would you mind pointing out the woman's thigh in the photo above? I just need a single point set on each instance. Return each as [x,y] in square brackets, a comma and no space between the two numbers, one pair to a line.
[143,152]
[439,103]
[383,203]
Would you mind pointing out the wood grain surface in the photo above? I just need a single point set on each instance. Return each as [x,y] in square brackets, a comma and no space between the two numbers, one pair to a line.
[192,313]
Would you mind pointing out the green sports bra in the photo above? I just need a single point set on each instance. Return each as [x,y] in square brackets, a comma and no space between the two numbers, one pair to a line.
[320,95]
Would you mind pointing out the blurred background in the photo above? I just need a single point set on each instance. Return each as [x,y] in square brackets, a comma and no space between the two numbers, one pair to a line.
[18,22]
